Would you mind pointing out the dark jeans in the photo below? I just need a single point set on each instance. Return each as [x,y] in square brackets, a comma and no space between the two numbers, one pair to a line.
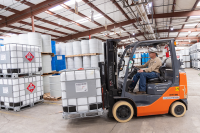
[142,76]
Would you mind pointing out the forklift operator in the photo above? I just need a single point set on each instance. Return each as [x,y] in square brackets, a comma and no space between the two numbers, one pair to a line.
[151,72]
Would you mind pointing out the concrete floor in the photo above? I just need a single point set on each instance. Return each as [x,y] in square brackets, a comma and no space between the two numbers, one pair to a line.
[47,118]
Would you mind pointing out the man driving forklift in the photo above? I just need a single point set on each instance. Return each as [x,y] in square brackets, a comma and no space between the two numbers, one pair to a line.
[143,74]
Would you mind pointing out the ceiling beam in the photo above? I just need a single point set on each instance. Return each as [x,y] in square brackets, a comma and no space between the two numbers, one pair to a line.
[9,9]
[120,24]
[41,27]
[34,10]
[99,11]
[193,8]
[55,24]
[23,29]
[167,30]
[179,43]
[66,19]
[80,14]
[45,21]
[176,14]
[125,14]
[8,32]
[25,2]
[22,22]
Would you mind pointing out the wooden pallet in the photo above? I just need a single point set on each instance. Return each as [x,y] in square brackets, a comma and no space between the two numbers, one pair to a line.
[83,55]
[47,96]
[50,73]
[45,53]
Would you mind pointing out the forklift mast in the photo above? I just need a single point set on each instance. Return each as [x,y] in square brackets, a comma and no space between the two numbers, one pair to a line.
[109,73]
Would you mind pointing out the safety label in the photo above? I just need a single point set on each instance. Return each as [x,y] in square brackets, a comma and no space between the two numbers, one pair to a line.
[29,57]
[5,90]
[59,57]
[3,57]
[172,97]
[176,88]
[81,87]
[31,87]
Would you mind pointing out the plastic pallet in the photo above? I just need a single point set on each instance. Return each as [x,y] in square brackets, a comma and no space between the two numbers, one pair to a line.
[19,108]
[76,115]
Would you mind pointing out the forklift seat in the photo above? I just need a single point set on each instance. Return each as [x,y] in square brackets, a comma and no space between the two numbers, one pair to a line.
[154,80]
[161,78]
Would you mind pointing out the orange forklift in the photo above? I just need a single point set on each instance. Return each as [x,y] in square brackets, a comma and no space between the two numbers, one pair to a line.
[165,94]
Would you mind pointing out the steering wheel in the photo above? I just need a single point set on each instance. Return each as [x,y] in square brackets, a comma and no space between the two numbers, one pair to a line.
[135,70]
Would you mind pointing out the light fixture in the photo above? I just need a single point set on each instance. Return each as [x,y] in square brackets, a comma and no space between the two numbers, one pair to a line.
[189,41]
[189,32]
[198,4]
[150,4]
[172,28]
[56,8]
[133,33]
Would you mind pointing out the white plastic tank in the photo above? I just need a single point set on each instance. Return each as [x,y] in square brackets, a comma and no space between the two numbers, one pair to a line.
[46,43]
[94,61]
[186,51]
[15,39]
[93,45]
[86,61]
[7,40]
[62,48]
[70,62]
[35,38]
[78,62]
[100,46]
[46,63]
[69,48]
[85,46]
[46,84]
[76,47]
[23,39]
[55,86]
[58,49]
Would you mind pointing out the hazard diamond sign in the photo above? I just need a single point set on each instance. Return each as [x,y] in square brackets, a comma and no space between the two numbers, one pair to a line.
[31,87]
[29,57]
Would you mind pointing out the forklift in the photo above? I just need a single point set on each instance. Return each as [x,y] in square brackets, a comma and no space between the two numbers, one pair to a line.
[165,94]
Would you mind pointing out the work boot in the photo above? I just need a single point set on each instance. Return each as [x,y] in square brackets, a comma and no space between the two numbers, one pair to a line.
[140,92]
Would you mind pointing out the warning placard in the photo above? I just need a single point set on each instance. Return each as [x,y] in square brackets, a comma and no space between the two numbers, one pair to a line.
[176,88]
[81,87]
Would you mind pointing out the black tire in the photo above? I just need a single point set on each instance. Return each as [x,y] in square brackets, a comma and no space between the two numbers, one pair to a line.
[178,109]
[122,111]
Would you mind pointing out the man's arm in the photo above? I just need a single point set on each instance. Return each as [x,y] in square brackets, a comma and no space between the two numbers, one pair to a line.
[144,66]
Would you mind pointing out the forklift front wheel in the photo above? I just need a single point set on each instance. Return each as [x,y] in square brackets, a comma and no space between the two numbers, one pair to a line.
[122,111]
[178,109]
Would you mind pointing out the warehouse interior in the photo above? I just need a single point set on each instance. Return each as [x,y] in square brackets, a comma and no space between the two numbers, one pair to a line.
[99,65]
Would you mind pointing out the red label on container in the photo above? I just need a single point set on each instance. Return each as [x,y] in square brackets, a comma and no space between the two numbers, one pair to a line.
[29,57]
[31,87]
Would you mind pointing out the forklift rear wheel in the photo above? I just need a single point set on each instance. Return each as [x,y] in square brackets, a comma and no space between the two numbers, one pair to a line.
[122,111]
[178,109]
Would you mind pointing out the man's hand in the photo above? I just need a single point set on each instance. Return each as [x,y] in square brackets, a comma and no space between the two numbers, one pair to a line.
[140,71]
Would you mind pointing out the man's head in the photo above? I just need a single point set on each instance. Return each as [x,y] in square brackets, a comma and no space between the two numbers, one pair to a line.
[153,53]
